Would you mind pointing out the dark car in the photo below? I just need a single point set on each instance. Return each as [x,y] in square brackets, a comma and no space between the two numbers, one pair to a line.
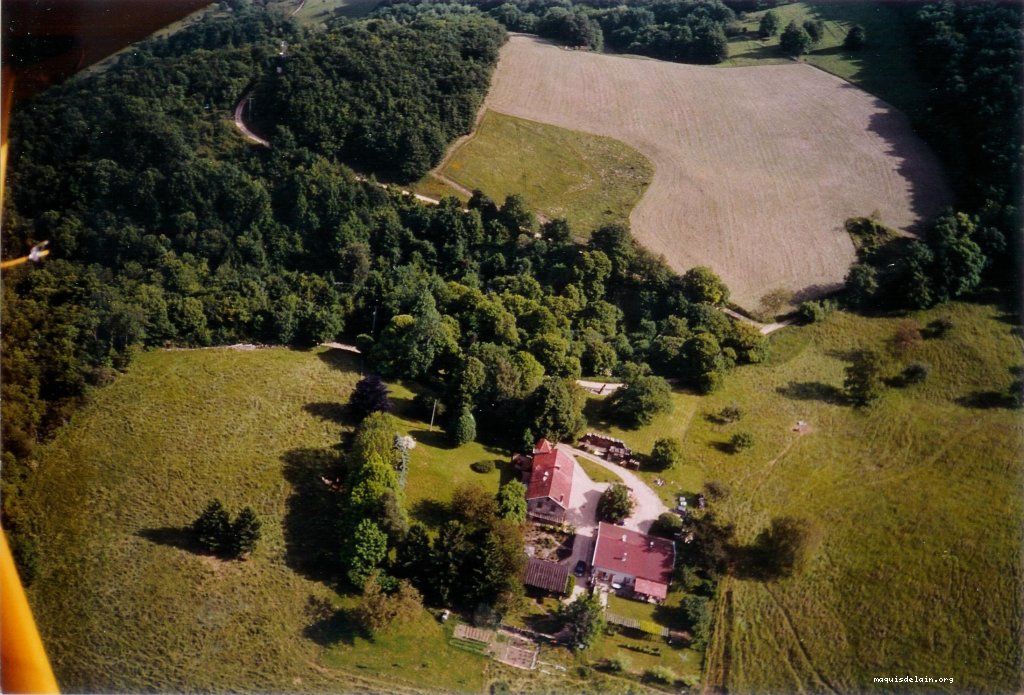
[581,567]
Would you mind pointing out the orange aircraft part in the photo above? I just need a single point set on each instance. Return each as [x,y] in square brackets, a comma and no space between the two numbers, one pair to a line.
[25,668]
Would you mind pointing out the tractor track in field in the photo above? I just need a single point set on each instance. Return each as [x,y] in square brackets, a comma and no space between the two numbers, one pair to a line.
[800,642]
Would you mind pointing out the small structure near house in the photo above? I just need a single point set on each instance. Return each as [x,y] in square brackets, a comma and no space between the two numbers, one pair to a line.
[546,575]
[609,448]
[548,474]
[640,564]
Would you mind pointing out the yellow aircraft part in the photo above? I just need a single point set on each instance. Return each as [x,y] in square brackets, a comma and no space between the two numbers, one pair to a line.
[24,667]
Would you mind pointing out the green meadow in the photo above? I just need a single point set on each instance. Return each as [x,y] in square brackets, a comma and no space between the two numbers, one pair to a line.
[885,66]
[587,179]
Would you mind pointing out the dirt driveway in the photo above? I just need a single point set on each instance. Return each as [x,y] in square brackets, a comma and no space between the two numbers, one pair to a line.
[586,493]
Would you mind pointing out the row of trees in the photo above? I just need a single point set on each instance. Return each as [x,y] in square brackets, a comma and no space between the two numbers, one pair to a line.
[678,30]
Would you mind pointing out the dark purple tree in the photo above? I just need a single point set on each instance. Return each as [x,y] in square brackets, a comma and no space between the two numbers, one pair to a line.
[370,396]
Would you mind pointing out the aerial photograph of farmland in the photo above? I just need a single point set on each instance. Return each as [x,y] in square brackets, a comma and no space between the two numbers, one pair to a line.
[512,346]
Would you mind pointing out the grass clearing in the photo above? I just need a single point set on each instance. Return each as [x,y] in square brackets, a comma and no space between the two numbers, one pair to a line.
[587,179]
[885,67]
[125,604]
[596,472]
[918,568]
[755,168]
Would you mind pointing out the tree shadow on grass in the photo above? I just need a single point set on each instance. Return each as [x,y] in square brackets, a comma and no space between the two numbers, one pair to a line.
[430,512]
[341,359]
[987,400]
[173,536]
[310,526]
[723,447]
[437,438]
[813,391]
[336,627]
[331,412]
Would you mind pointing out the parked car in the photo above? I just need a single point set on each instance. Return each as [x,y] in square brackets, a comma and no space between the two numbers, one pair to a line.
[581,567]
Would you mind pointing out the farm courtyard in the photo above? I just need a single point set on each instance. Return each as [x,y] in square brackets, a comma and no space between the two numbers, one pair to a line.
[755,168]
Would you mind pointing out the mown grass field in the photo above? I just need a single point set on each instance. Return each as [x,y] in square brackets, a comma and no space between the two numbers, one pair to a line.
[755,168]
[885,67]
[587,179]
[917,499]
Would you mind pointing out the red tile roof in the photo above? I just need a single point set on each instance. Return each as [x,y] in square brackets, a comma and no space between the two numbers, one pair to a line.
[630,552]
[551,476]
[542,446]
[648,588]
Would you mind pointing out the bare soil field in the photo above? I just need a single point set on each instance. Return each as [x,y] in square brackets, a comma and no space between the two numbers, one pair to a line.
[756,168]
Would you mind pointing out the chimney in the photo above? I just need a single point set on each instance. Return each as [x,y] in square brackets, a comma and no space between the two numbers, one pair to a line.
[624,537]
[624,556]
[650,544]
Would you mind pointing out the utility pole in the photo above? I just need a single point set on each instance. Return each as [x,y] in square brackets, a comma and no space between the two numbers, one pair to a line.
[432,412]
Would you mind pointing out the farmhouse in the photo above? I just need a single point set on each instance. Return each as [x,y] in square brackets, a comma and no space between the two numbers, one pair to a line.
[548,475]
[633,562]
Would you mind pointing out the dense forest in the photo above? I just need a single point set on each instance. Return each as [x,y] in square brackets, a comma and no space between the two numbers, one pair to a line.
[970,54]
[680,30]
[168,228]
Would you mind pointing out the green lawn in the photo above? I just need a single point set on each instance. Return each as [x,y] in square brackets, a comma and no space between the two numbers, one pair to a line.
[316,11]
[587,179]
[597,473]
[918,499]
[885,67]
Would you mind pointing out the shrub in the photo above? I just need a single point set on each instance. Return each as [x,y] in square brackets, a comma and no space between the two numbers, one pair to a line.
[815,310]
[741,441]
[939,327]
[482,466]
[730,414]
[773,302]
[668,524]
[914,373]
[570,584]
[815,28]
[667,453]
[500,688]
[618,664]
[795,40]
[216,533]
[583,671]
[213,527]
[462,428]
[769,25]
[660,674]
[716,490]
[863,383]
[245,531]
[906,337]
[855,39]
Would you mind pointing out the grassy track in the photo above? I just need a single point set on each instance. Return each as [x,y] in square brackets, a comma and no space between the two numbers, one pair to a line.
[587,179]
[917,499]
[885,67]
